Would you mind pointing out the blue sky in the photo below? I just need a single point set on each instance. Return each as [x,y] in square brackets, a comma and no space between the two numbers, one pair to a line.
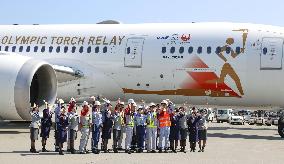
[141,11]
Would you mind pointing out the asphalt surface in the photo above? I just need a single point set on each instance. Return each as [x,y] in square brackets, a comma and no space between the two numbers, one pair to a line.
[227,144]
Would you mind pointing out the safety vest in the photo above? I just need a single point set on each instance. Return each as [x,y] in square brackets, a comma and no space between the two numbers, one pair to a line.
[164,120]
[85,121]
[151,118]
[129,120]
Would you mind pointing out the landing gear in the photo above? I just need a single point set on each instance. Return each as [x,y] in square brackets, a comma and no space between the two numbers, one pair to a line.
[281,126]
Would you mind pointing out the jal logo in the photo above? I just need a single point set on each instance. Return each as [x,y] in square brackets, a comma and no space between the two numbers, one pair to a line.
[163,37]
[185,37]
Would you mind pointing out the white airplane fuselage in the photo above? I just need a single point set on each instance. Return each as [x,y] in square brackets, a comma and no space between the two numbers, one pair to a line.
[152,62]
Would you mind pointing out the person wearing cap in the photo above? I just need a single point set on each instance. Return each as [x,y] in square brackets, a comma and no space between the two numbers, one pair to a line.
[97,124]
[84,125]
[107,127]
[73,121]
[193,129]
[62,129]
[129,124]
[134,140]
[164,126]
[71,106]
[151,130]
[202,131]
[174,131]
[182,128]
[34,127]
[57,111]
[121,111]
[140,122]
[46,124]
[117,125]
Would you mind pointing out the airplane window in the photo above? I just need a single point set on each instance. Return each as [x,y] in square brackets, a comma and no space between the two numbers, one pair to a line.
[42,48]
[164,50]
[127,50]
[264,51]
[190,50]
[97,50]
[35,48]
[228,50]
[218,50]
[7,48]
[209,50]
[21,49]
[173,49]
[58,49]
[199,50]
[89,49]
[181,50]
[73,49]
[81,49]
[50,49]
[28,49]
[105,49]
[238,50]
[65,49]
[13,48]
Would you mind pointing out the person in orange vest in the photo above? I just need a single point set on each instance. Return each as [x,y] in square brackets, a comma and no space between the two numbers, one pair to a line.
[164,126]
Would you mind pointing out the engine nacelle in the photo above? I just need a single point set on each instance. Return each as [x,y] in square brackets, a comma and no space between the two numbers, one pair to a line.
[24,81]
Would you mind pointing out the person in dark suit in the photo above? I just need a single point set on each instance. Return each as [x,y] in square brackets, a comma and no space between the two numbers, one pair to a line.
[46,124]
[62,129]
[192,123]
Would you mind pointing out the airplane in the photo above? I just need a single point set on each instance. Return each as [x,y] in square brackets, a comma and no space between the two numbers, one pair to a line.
[216,63]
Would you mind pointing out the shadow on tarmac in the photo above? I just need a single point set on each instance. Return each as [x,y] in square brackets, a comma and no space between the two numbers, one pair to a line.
[14,125]
[11,132]
[237,128]
[222,135]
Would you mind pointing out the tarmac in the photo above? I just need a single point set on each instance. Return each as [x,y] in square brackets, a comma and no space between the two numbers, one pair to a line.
[227,144]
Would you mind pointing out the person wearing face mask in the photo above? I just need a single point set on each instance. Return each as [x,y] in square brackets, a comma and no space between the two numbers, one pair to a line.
[164,126]
[62,129]
[174,131]
[182,128]
[34,127]
[192,123]
[97,124]
[107,126]
[202,131]
[57,111]
[152,123]
[85,123]
[71,105]
[46,124]
[73,120]
[117,127]
[121,111]
[140,121]
[129,124]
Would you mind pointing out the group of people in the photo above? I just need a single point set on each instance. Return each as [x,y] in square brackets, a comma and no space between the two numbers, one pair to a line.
[149,127]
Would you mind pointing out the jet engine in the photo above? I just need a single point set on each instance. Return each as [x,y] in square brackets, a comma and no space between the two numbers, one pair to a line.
[23,82]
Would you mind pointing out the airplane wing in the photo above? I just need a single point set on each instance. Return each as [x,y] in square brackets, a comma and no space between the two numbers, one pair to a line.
[65,73]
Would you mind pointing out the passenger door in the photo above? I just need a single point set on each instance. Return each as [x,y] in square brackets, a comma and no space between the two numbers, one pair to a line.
[133,52]
[272,54]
